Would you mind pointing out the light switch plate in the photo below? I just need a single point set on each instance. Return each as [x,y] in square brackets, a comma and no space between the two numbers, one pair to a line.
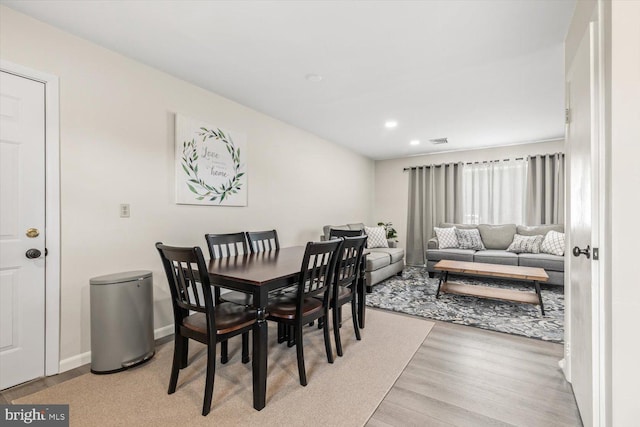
[125,211]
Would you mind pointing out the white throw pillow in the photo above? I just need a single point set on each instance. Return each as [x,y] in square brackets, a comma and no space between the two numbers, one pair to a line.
[446,237]
[553,243]
[377,237]
[525,244]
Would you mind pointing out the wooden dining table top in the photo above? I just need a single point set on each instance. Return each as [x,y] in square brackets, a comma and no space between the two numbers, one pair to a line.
[259,268]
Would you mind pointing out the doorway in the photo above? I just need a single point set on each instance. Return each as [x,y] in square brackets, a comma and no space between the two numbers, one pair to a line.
[30,235]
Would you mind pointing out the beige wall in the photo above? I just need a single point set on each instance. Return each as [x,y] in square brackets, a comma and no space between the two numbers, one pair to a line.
[117,145]
[391,183]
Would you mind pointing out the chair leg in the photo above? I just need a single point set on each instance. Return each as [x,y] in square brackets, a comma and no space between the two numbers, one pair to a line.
[336,331]
[340,316]
[184,353]
[282,337]
[224,352]
[327,338]
[177,361]
[211,371]
[245,347]
[291,338]
[300,354]
[354,317]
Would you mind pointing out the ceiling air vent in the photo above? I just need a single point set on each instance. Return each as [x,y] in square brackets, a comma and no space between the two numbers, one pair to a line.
[439,141]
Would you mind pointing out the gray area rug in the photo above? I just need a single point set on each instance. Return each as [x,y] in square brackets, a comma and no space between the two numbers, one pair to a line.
[414,293]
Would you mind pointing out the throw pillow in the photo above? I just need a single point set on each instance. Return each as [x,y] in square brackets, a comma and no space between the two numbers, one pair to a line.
[446,237]
[469,239]
[377,237]
[553,243]
[525,244]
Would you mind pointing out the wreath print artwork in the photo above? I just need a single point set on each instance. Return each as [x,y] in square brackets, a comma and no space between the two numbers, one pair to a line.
[210,166]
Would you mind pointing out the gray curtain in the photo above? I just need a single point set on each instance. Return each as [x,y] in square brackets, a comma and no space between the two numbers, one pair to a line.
[544,203]
[435,196]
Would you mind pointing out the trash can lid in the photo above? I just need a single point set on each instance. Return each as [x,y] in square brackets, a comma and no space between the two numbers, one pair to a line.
[128,276]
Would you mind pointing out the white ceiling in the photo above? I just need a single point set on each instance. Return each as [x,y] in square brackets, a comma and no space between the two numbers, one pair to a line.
[481,73]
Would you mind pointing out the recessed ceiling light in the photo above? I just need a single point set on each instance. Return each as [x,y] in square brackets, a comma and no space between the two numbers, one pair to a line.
[390,124]
[414,142]
[315,78]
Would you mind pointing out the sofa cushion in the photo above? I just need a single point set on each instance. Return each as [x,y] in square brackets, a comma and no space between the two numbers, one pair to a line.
[542,230]
[553,243]
[356,226]
[525,244]
[446,237]
[396,254]
[377,259]
[497,236]
[469,239]
[546,261]
[493,256]
[452,254]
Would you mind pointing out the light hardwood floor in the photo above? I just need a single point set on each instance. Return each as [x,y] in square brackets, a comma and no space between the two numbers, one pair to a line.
[465,376]
[461,376]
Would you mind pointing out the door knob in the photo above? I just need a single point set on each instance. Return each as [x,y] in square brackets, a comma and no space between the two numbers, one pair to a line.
[32,232]
[33,253]
[586,251]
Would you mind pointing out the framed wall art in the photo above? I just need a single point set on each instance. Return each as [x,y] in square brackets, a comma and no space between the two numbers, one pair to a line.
[210,164]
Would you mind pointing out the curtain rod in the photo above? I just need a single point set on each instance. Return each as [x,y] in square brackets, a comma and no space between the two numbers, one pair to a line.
[475,163]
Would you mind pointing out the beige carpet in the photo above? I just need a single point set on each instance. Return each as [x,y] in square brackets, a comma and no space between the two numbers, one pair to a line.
[345,393]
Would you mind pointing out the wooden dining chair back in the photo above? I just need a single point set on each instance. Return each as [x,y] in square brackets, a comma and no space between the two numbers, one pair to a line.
[260,241]
[336,233]
[311,301]
[347,271]
[196,314]
[224,246]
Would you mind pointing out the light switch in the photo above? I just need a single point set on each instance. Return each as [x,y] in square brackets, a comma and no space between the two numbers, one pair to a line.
[125,211]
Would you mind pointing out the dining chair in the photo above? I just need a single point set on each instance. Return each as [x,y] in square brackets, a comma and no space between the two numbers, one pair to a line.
[223,246]
[314,280]
[260,241]
[344,285]
[336,233]
[211,323]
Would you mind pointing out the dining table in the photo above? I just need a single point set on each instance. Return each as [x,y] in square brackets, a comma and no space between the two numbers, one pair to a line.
[258,274]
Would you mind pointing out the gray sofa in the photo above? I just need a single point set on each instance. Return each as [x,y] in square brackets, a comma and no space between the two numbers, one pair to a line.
[496,239]
[382,263]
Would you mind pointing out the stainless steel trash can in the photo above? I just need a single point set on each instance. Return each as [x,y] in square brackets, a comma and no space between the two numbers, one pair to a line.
[121,321]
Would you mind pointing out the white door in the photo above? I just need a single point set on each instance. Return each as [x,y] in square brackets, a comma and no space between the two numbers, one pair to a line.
[22,207]
[582,134]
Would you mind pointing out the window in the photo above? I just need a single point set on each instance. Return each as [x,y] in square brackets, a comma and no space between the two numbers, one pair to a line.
[494,193]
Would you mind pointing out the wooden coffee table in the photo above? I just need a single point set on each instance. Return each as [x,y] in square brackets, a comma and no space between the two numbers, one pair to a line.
[512,272]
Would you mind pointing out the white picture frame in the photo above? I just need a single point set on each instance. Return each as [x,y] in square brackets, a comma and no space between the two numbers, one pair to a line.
[210,164]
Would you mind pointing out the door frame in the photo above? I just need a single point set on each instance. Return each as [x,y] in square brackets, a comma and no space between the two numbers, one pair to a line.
[52,210]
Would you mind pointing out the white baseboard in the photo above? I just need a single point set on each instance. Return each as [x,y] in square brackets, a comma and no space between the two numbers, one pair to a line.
[75,361]
[163,332]
[85,358]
